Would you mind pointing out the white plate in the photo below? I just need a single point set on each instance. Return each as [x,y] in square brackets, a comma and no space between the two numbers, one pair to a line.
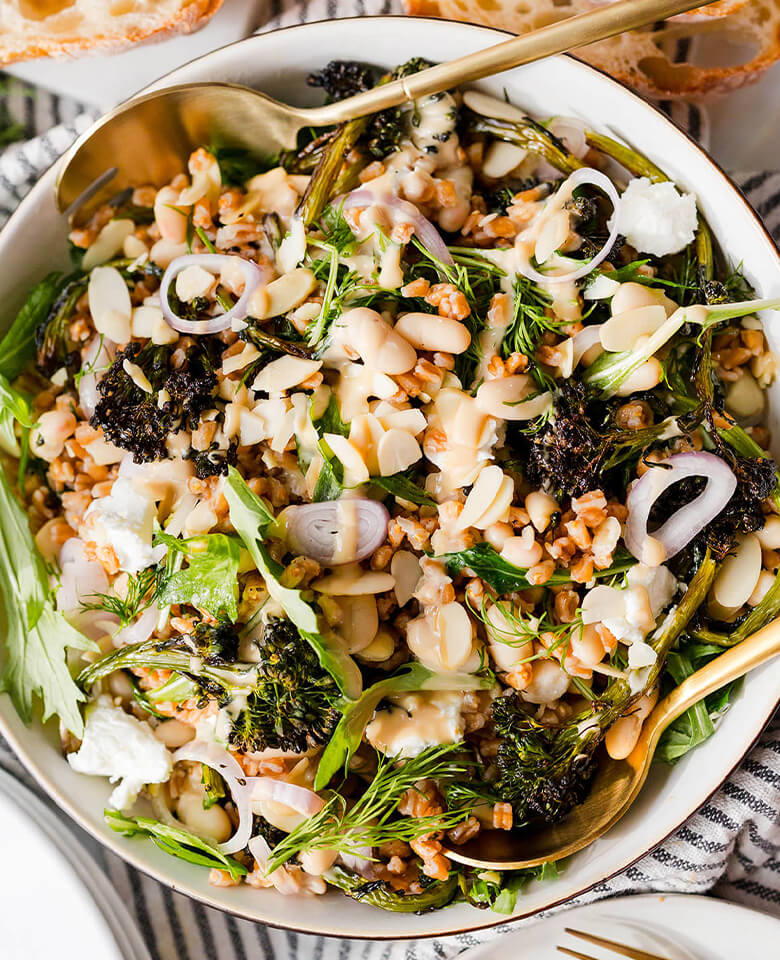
[278,63]
[46,872]
[673,926]
[104,80]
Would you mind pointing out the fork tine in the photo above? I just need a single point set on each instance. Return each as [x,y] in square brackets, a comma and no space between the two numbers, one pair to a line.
[575,953]
[631,952]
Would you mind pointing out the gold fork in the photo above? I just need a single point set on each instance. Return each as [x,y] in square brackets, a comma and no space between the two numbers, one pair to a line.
[631,952]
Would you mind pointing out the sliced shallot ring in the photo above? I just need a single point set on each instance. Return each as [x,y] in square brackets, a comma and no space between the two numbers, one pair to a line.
[578,178]
[213,263]
[689,520]
[300,799]
[319,530]
[426,232]
[226,765]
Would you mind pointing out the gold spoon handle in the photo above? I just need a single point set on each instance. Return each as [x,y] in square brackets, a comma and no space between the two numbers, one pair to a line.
[575,32]
[734,663]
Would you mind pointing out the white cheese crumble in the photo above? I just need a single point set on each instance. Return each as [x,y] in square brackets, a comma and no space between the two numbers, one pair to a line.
[124,521]
[120,747]
[416,721]
[655,218]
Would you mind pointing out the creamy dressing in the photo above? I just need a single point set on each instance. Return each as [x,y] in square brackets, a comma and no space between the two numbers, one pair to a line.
[345,547]
[415,721]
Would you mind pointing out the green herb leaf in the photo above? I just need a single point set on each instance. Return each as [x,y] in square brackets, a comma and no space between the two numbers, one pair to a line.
[504,577]
[435,895]
[18,345]
[14,408]
[140,595]
[36,636]
[356,716]
[176,841]
[402,486]
[368,822]
[210,580]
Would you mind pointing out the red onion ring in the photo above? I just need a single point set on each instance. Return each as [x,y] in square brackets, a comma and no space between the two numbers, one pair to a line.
[314,529]
[212,262]
[689,520]
[572,131]
[300,799]
[597,179]
[226,765]
[427,234]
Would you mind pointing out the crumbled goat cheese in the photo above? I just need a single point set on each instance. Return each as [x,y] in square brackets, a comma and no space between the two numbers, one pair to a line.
[118,746]
[660,583]
[124,521]
[655,218]
[416,721]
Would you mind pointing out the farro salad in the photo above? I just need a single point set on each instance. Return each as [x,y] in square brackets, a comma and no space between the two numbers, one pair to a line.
[357,498]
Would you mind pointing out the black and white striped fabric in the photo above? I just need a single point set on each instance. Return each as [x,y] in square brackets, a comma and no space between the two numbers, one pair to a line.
[730,847]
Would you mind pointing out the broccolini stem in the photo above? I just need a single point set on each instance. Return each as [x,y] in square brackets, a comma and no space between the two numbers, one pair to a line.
[529,135]
[267,340]
[323,184]
[633,161]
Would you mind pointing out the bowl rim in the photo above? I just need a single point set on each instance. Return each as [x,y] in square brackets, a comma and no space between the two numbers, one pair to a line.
[125,851]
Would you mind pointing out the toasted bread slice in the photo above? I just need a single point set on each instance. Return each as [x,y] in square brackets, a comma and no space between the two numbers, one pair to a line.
[69,28]
[661,61]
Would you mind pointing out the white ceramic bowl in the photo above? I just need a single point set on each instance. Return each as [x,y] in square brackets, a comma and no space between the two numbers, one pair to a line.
[34,243]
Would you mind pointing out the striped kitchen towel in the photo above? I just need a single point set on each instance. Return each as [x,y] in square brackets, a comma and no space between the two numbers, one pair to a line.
[730,847]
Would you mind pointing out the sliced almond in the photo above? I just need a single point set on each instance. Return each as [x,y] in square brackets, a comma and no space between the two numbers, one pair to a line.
[355,469]
[170,219]
[238,361]
[455,640]
[360,621]
[405,568]
[108,243]
[481,496]
[427,331]
[109,303]
[553,236]
[194,282]
[286,372]
[502,158]
[396,452]
[350,580]
[283,294]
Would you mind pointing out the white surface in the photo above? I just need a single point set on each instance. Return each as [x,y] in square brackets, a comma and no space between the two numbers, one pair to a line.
[107,79]
[674,926]
[278,63]
[47,874]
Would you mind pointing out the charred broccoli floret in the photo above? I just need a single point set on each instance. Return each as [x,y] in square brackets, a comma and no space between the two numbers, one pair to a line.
[543,771]
[292,705]
[53,347]
[216,644]
[140,421]
[214,461]
[343,78]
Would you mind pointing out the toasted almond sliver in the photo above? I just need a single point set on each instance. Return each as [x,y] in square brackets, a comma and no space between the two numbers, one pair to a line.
[108,243]
[397,450]
[405,567]
[350,580]
[454,629]
[622,331]
[286,372]
[238,361]
[499,508]
[481,496]
[360,621]
[355,469]
[109,303]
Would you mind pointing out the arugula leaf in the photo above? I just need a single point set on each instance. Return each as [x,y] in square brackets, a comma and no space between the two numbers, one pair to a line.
[355,717]
[176,841]
[330,481]
[401,485]
[18,345]
[36,635]
[251,519]
[210,580]
[504,577]
[499,891]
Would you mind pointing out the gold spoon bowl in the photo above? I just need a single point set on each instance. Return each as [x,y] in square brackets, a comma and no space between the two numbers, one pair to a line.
[617,782]
[148,139]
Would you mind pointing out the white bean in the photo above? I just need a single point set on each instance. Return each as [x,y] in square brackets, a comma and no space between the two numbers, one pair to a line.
[375,341]
[427,331]
[769,534]
[506,398]
[765,583]
[173,733]
[744,398]
[316,862]
[622,736]
[548,684]
[50,433]
[171,220]
[739,573]
[645,377]
[541,508]
[213,823]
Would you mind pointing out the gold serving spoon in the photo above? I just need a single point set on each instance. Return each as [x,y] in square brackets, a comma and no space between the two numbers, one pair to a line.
[617,782]
[148,139]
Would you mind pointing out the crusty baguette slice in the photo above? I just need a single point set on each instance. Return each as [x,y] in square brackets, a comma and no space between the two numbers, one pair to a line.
[650,60]
[69,28]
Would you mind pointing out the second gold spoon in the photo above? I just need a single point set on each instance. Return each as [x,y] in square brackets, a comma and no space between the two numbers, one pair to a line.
[617,782]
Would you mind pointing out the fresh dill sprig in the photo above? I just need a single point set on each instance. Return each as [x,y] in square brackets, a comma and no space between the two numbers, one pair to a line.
[371,821]
[530,322]
[142,589]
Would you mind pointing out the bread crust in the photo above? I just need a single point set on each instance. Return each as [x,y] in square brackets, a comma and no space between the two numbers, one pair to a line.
[186,19]
[639,59]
